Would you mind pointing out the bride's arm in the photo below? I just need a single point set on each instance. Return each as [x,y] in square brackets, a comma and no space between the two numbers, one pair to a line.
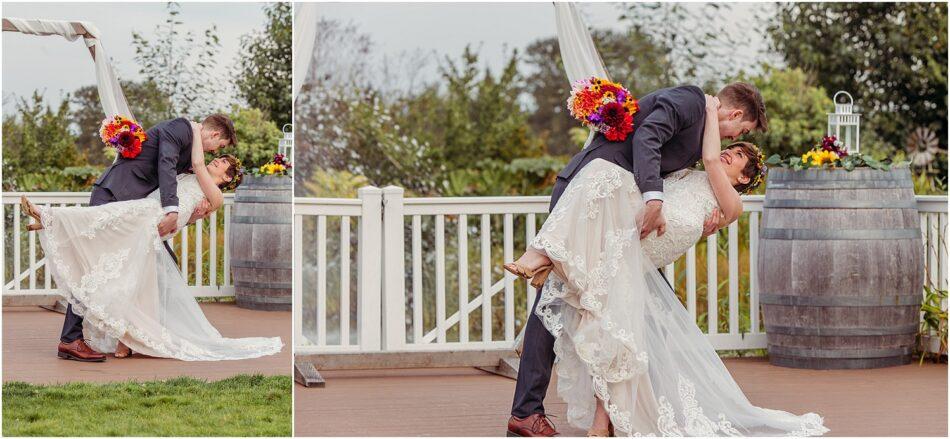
[730,205]
[211,191]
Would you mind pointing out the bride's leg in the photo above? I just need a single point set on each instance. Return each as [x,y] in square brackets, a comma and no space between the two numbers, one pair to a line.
[601,425]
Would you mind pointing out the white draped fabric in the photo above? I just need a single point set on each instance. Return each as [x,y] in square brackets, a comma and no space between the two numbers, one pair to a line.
[581,60]
[305,31]
[580,57]
[110,92]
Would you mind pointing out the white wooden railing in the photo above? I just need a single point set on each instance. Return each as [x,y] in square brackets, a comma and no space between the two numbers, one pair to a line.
[25,273]
[392,263]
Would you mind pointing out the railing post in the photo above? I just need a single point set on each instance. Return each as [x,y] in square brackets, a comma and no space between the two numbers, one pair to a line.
[297,262]
[368,272]
[394,270]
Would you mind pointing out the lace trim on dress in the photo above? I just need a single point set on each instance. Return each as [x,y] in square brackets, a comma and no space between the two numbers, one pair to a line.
[588,285]
[592,283]
[109,267]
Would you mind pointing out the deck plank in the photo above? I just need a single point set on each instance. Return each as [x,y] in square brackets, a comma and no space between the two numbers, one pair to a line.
[30,335]
[900,401]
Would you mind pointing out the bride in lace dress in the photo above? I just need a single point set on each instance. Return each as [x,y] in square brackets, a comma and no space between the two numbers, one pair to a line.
[110,264]
[630,356]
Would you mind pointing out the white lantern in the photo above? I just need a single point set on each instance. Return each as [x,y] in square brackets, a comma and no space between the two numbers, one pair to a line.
[285,145]
[845,124]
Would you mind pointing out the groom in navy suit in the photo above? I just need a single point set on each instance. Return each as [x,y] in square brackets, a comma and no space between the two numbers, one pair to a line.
[667,136]
[165,153]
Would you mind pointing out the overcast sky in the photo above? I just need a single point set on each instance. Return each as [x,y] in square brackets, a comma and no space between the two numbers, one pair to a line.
[446,28]
[54,65]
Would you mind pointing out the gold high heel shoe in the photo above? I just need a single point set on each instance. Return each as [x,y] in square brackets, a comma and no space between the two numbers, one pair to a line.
[128,351]
[608,432]
[29,208]
[537,276]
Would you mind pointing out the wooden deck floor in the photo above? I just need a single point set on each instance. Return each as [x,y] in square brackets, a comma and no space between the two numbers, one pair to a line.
[899,401]
[30,335]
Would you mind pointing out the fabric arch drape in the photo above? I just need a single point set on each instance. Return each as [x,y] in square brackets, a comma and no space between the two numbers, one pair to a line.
[110,92]
[580,57]
[305,31]
[581,60]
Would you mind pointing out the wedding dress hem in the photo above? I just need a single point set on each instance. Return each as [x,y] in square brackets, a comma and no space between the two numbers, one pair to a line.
[621,334]
[108,268]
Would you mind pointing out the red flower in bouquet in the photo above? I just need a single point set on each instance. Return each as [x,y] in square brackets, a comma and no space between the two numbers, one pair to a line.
[123,134]
[618,121]
[603,106]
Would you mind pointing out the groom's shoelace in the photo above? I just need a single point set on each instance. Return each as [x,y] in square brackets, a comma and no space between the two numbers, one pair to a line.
[545,419]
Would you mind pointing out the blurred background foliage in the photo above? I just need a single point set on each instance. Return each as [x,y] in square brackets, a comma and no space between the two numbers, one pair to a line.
[474,131]
[58,149]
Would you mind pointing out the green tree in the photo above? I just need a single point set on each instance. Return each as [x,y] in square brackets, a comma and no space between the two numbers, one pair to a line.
[147,102]
[264,77]
[38,145]
[796,111]
[183,68]
[623,55]
[478,117]
[257,136]
[891,56]
[693,38]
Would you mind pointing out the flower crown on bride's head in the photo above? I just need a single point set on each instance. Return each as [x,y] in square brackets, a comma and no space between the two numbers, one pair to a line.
[761,173]
[238,173]
[755,169]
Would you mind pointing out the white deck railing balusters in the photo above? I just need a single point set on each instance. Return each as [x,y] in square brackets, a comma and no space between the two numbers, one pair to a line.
[390,226]
[712,284]
[486,278]
[462,238]
[734,278]
[26,281]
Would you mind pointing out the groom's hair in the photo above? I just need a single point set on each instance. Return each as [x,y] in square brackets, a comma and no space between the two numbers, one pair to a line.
[222,124]
[747,98]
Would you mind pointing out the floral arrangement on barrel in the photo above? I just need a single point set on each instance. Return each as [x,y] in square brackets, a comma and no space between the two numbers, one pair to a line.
[829,154]
[124,135]
[279,166]
[603,106]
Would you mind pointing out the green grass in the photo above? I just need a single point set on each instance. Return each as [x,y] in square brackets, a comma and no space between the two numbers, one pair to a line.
[243,405]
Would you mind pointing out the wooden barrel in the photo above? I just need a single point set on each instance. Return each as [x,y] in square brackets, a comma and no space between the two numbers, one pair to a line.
[261,242]
[840,268]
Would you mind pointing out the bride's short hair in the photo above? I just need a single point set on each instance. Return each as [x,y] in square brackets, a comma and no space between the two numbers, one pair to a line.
[234,171]
[754,169]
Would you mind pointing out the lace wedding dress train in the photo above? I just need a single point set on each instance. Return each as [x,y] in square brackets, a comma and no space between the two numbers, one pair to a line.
[110,264]
[621,333]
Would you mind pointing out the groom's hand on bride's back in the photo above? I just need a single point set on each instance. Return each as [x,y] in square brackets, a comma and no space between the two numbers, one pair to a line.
[168,224]
[653,219]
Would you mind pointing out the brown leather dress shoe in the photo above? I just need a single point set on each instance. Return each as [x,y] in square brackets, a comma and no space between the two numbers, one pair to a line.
[78,350]
[536,425]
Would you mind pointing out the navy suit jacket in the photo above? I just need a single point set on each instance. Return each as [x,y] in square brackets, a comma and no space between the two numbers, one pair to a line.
[667,136]
[166,153]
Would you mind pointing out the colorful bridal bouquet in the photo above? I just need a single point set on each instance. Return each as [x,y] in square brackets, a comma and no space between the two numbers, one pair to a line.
[828,154]
[603,106]
[278,166]
[123,134]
